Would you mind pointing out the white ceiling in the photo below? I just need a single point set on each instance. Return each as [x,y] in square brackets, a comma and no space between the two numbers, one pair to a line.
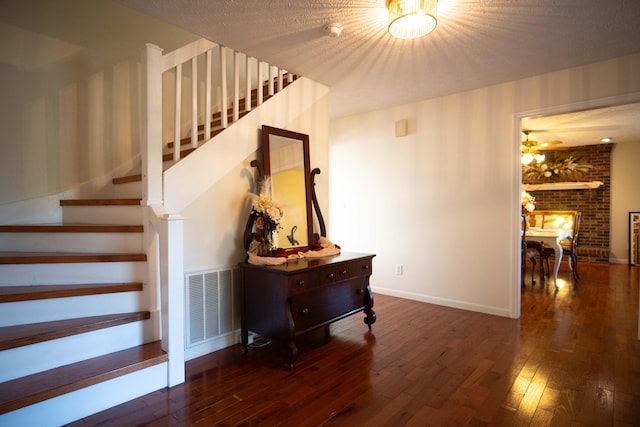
[476,43]
[621,123]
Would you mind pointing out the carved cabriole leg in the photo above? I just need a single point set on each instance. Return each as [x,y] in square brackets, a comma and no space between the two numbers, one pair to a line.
[292,354]
[368,307]
[291,350]
[244,334]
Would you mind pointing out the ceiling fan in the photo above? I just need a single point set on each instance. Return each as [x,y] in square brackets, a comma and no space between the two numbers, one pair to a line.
[530,149]
[531,146]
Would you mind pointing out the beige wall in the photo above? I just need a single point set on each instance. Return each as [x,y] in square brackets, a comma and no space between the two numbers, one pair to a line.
[443,201]
[213,223]
[70,83]
[625,196]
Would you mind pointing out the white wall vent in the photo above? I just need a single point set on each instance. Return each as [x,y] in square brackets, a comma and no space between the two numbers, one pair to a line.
[212,305]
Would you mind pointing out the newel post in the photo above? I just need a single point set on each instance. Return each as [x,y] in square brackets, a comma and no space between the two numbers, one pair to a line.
[172,296]
[152,125]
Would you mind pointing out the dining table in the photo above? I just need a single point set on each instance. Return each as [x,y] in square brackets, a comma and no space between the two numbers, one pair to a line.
[551,237]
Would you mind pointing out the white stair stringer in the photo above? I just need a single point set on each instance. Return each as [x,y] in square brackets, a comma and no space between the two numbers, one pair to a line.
[26,360]
[90,400]
[185,181]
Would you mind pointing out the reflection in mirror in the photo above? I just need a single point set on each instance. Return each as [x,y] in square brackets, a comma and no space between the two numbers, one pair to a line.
[286,163]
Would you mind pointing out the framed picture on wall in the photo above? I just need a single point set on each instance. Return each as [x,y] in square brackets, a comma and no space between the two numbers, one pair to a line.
[634,238]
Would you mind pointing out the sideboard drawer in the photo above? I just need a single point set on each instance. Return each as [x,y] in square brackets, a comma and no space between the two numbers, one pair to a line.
[302,282]
[328,303]
[345,271]
[327,275]
[353,269]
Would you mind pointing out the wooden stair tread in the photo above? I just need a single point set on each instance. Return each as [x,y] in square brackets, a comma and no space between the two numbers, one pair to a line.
[67,257]
[38,387]
[183,153]
[71,228]
[215,130]
[126,179]
[101,202]
[32,333]
[34,292]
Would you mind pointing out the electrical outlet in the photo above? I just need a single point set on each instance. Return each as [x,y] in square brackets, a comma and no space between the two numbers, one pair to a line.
[398,269]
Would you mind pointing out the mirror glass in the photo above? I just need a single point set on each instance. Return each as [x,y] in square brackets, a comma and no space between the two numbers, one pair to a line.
[286,163]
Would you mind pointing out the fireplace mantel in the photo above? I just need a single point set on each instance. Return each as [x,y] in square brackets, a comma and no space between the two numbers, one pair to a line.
[571,185]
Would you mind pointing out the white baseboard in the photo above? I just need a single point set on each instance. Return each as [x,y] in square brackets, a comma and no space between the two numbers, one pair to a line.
[443,301]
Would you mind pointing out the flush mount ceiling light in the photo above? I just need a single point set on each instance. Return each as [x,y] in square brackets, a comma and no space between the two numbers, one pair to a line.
[410,19]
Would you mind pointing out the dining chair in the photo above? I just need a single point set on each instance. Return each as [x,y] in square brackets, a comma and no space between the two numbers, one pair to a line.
[569,248]
[526,253]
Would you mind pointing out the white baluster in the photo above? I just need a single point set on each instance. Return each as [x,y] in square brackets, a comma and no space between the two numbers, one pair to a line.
[247,96]
[223,87]
[194,102]
[207,97]
[236,86]
[260,81]
[271,77]
[177,113]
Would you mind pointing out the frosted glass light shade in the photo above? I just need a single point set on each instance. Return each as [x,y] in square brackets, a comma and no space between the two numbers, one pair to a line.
[410,19]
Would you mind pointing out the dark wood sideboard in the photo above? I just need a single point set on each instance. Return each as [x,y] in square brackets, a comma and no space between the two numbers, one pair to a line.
[285,301]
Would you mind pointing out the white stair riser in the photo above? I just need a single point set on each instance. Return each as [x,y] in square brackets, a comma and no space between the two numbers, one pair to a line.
[128,190]
[81,403]
[49,274]
[30,359]
[72,242]
[127,215]
[45,310]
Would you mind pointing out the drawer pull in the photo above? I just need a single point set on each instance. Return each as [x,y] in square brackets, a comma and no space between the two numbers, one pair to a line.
[343,272]
[365,267]
[304,311]
[359,291]
[300,282]
[331,275]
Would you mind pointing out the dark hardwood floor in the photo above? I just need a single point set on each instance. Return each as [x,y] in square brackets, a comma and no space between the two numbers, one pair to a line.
[573,359]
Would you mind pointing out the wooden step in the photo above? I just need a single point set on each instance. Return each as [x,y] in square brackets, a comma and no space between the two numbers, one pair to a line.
[100,202]
[183,153]
[66,257]
[126,179]
[36,292]
[21,335]
[215,130]
[71,228]
[25,391]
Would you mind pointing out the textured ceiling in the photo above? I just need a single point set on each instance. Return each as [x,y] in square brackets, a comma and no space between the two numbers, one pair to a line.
[476,43]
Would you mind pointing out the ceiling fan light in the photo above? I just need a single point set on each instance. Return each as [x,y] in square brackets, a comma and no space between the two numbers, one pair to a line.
[410,19]
[527,158]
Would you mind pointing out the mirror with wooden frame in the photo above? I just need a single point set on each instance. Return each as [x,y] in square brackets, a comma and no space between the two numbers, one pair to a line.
[286,164]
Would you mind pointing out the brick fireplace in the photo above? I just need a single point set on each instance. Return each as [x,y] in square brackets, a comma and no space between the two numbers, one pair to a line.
[593,243]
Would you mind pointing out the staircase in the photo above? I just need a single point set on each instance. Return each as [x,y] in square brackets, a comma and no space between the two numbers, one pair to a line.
[79,321]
